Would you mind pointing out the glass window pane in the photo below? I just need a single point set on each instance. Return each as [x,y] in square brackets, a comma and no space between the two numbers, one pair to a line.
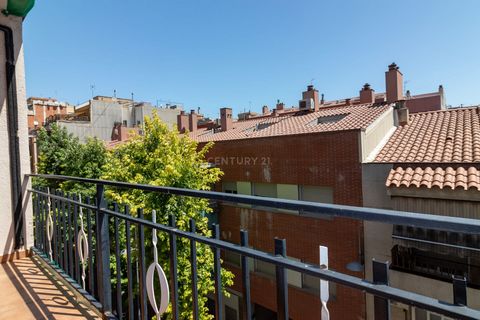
[265,190]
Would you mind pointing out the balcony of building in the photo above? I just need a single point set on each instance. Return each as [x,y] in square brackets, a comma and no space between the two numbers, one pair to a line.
[96,259]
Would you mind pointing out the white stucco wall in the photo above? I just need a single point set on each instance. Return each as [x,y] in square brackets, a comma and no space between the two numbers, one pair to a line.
[104,114]
[6,215]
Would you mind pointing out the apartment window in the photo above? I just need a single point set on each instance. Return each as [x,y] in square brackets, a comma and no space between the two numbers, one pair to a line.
[265,190]
[316,194]
[244,187]
[265,268]
[287,191]
[229,187]
[232,258]
[312,284]
[421,314]
[294,278]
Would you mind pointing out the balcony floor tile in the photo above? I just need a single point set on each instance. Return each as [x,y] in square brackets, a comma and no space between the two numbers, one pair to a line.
[29,291]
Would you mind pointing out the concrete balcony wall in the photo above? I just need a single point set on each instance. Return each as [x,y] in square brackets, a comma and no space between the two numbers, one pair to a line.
[6,213]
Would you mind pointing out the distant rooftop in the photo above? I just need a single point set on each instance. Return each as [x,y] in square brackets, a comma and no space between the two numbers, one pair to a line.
[295,122]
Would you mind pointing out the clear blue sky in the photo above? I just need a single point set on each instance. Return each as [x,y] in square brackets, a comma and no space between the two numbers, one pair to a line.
[243,53]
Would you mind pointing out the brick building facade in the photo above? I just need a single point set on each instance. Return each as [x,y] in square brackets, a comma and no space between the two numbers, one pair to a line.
[312,152]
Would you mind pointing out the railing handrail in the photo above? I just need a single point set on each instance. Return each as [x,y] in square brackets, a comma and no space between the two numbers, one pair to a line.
[430,221]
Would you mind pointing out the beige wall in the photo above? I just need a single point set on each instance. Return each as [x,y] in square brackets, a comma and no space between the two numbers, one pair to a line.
[6,215]
[375,136]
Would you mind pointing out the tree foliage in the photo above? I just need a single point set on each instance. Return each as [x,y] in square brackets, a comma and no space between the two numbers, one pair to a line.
[162,157]
[60,153]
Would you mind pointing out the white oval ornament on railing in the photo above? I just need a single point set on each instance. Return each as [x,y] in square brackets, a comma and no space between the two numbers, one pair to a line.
[49,226]
[155,267]
[82,246]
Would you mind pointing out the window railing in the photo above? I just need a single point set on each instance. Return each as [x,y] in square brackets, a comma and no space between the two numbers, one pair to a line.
[80,238]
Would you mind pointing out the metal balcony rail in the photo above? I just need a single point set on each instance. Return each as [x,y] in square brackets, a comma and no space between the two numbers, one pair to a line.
[64,238]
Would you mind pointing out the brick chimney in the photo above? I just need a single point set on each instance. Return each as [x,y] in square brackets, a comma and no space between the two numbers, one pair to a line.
[182,122]
[403,113]
[312,93]
[226,120]
[367,94]
[192,121]
[280,106]
[394,83]
[265,110]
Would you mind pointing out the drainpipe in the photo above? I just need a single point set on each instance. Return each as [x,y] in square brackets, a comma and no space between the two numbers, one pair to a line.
[13,143]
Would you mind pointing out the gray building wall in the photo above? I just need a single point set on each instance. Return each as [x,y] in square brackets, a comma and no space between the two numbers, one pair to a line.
[104,114]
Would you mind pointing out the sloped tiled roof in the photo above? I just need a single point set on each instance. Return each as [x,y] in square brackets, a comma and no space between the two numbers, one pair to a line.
[351,117]
[446,136]
[460,178]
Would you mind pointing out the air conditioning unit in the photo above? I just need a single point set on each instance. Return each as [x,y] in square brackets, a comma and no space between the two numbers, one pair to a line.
[305,104]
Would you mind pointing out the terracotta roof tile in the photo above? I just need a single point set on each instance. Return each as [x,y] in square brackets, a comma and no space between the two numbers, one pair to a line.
[438,136]
[448,178]
[349,117]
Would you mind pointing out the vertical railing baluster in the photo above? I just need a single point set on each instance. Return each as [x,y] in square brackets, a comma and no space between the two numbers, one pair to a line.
[142,271]
[282,281]
[42,232]
[91,271]
[64,233]
[193,261]
[103,252]
[75,238]
[55,227]
[380,276]
[118,265]
[70,236]
[129,267]
[217,270]
[173,269]
[60,230]
[247,304]
[35,211]
[56,221]
[459,291]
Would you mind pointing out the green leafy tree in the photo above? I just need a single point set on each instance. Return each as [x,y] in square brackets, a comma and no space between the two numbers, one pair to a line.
[60,153]
[162,157]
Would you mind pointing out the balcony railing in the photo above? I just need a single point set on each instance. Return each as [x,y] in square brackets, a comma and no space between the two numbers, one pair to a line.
[78,236]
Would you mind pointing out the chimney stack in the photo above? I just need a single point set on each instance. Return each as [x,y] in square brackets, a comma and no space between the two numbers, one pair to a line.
[402,113]
[394,83]
[367,94]
[280,106]
[192,121]
[312,93]
[265,110]
[226,120]
[182,122]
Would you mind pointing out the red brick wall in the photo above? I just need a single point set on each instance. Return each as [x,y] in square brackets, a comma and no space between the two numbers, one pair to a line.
[49,111]
[329,159]
[424,104]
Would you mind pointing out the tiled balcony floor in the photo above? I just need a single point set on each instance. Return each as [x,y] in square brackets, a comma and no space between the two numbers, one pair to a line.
[30,291]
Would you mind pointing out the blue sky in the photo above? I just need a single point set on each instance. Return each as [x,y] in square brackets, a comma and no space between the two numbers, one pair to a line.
[248,53]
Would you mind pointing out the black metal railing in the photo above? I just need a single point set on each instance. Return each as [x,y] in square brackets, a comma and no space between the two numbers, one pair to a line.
[126,295]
